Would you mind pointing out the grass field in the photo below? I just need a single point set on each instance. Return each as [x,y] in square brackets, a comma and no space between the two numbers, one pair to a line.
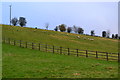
[60,39]
[27,63]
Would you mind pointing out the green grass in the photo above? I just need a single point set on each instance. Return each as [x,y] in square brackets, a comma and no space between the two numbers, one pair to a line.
[27,63]
[60,39]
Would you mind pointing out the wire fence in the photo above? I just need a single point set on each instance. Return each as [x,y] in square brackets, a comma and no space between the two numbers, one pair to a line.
[62,50]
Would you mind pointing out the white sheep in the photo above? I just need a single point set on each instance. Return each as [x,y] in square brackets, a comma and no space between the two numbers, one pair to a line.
[78,36]
[91,39]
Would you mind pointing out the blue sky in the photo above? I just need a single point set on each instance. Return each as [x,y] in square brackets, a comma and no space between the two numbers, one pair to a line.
[96,16]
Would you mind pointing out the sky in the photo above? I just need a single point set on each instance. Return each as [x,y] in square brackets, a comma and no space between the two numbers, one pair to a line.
[97,16]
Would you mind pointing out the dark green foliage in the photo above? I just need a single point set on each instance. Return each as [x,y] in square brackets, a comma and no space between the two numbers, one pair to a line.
[14,21]
[62,27]
[116,36]
[104,34]
[113,36]
[92,33]
[56,28]
[80,31]
[69,29]
[22,21]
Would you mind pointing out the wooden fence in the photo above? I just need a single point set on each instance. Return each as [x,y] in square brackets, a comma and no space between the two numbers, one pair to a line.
[62,50]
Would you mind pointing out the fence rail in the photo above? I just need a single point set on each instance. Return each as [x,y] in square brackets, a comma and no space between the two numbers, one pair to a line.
[61,50]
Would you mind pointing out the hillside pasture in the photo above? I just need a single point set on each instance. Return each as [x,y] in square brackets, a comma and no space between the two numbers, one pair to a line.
[64,39]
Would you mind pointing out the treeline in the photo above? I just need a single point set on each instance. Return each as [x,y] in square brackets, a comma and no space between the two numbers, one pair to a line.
[64,28]
[21,21]
[79,30]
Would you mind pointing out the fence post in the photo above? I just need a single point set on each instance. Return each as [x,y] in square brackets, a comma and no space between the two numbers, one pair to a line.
[26,44]
[60,50]
[68,51]
[77,52]
[39,46]
[46,47]
[86,53]
[53,48]
[20,43]
[118,57]
[32,45]
[3,39]
[107,56]
[14,43]
[96,54]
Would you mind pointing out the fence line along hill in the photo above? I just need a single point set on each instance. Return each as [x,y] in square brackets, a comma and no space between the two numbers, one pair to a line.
[62,39]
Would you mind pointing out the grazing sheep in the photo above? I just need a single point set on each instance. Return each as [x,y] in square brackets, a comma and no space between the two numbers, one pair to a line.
[91,39]
[78,36]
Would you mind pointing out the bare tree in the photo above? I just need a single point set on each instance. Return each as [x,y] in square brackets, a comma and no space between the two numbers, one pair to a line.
[46,26]
[108,34]
[75,29]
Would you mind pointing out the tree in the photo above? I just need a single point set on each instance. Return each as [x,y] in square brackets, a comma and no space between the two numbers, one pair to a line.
[113,36]
[75,29]
[14,21]
[69,29]
[104,34]
[119,37]
[116,36]
[80,31]
[46,26]
[92,33]
[22,21]
[56,28]
[108,33]
[62,27]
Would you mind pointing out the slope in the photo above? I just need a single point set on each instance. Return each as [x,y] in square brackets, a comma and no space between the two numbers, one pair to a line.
[60,39]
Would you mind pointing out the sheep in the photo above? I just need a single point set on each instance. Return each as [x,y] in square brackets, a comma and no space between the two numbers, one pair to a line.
[78,36]
[91,39]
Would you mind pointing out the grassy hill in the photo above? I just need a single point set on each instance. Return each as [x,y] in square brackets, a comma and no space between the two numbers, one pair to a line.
[68,40]
[27,63]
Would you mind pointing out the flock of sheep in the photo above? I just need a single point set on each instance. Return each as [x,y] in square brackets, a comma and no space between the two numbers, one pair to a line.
[86,38]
